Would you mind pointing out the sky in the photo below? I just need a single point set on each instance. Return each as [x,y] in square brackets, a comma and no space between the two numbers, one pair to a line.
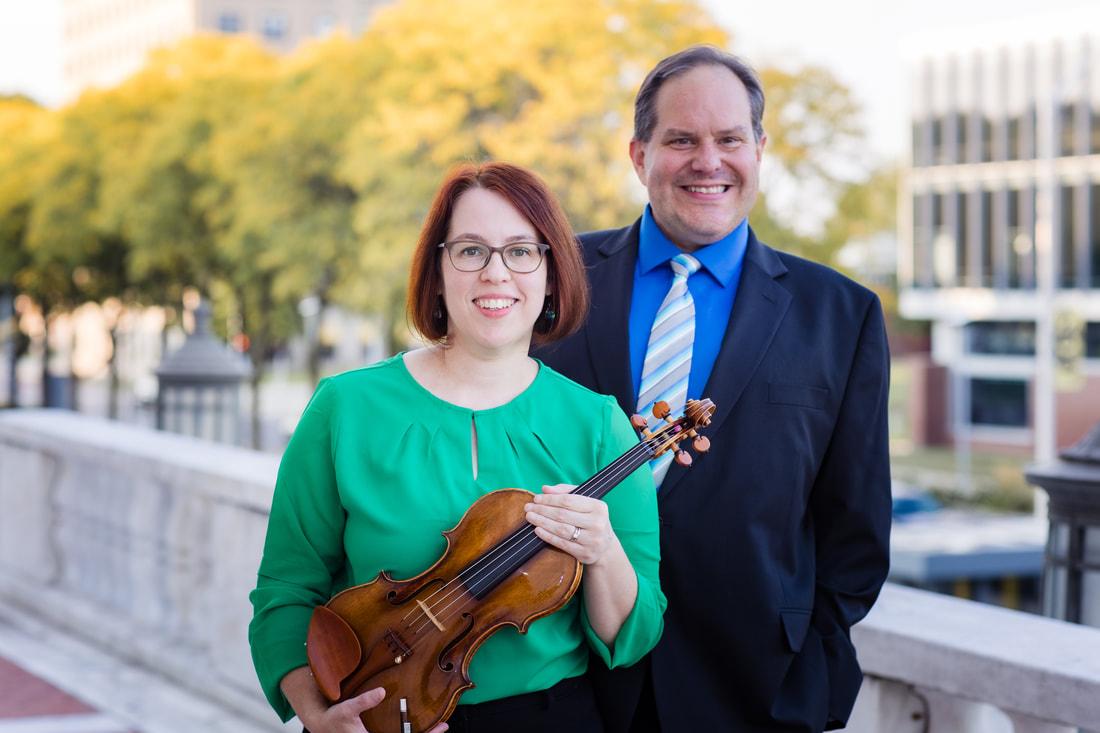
[30,40]
[860,41]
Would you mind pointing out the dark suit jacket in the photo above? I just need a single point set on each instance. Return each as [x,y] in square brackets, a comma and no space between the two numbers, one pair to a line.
[777,541]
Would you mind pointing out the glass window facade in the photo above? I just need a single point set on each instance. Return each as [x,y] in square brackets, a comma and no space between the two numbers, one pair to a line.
[1092,340]
[230,23]
[1094,133]
[1067,119]
[1009,338]
[1066,237]
[1094,234]
[975,226]
[999,402]
[986,238]
[961,235]
[939,151]
[275,26]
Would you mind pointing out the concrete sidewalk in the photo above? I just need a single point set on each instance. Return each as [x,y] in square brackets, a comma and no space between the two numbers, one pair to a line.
[30,704]
[53,683]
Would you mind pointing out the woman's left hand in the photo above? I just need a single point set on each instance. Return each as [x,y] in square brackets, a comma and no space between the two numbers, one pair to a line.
[575,524]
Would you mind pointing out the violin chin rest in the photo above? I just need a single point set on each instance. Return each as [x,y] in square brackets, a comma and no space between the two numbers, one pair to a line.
[333,650]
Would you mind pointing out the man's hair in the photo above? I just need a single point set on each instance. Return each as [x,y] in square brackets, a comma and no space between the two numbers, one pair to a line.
[645,104]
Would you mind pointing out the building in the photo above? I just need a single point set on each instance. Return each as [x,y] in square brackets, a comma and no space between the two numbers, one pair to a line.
[999,225]
[104,41]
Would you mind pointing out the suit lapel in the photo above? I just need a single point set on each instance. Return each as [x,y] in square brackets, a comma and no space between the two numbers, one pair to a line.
[612,281]
[758,310]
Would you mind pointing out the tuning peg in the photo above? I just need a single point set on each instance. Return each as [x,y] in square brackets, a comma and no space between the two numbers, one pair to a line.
[683,458]
[701,444]
[661,410]
[639,422]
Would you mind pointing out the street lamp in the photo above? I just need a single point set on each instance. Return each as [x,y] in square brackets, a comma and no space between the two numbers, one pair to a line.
[1071,573]
[199,386]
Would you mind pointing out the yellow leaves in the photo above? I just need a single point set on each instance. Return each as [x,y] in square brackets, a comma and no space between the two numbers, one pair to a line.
[219,162]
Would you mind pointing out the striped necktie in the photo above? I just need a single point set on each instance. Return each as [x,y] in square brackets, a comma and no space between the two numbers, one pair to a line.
[668,356]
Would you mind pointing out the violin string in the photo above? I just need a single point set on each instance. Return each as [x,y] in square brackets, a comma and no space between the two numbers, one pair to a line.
[588,488]
[504,552]
[504,546]
[464,600]
[526,537]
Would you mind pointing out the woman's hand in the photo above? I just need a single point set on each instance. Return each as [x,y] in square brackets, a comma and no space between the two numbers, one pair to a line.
[580,526]
[320,717]
[575,524]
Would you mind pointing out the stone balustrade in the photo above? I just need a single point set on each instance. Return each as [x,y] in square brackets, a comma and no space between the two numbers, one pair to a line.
[938,664]
[143,542]
[147,544]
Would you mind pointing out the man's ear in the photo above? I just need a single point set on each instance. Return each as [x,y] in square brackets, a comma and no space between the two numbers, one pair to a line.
[637,157]
[760,146]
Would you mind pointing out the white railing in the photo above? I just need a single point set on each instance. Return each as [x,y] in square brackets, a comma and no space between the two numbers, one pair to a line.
[943,665]
[142,542]
[148,543]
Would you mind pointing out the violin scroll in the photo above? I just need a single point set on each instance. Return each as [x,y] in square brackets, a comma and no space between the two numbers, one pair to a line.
[697,414]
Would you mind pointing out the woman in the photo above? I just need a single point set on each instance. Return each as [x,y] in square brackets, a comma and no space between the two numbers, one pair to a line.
[387,457]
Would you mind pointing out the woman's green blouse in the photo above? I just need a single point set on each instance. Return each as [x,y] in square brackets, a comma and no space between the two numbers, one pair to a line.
[379,467]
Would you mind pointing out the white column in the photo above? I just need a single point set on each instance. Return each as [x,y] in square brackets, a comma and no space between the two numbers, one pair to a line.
[1045,222]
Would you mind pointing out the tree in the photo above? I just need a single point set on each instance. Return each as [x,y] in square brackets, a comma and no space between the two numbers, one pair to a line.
[26,128]
[545,86]
[812,155]
[70,260]
[865,211]
[263,181]
[289,215]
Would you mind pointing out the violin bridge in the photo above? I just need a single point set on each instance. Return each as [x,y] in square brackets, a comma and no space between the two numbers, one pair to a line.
[430,615]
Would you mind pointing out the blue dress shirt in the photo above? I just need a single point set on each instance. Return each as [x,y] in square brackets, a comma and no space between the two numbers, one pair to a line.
[713,288]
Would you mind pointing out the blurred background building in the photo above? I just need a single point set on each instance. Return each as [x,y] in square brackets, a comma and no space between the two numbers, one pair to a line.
[1004,162]
[104,41]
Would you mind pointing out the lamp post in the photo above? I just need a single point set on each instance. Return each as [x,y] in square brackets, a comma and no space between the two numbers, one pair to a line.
[1071,572]
[199,386]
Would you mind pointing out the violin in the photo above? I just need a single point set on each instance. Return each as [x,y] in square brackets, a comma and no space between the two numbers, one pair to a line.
[416,637]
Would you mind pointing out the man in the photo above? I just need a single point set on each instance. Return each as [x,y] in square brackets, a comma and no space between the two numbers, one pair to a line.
[775,542]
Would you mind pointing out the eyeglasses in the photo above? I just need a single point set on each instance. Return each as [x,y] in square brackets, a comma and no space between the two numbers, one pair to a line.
[470,256]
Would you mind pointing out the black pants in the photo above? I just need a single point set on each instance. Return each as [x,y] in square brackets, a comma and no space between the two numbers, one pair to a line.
[645,717]
[567,707]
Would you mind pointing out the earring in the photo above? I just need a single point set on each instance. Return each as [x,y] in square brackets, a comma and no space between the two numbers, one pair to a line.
[437,314]
[549,311]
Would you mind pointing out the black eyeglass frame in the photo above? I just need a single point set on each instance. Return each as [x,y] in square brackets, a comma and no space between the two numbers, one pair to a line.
[542,248]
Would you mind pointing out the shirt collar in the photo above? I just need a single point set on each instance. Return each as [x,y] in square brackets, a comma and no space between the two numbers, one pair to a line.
[721,259]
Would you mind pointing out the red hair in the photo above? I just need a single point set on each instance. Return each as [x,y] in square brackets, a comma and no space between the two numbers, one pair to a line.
[533,200]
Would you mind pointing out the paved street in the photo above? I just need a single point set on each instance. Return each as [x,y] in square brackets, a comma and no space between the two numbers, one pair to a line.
[30,704]
[52,683]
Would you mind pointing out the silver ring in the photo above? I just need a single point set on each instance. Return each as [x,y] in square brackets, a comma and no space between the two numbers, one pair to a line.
[576,534]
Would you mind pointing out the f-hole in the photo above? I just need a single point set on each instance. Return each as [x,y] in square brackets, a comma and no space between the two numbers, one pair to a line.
[445,665]
[396,598]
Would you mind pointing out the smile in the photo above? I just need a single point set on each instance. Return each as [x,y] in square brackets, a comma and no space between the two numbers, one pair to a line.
[494,304]
[707,189]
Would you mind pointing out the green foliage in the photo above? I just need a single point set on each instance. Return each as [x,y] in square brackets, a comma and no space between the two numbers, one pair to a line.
[262,180]
[549,86]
